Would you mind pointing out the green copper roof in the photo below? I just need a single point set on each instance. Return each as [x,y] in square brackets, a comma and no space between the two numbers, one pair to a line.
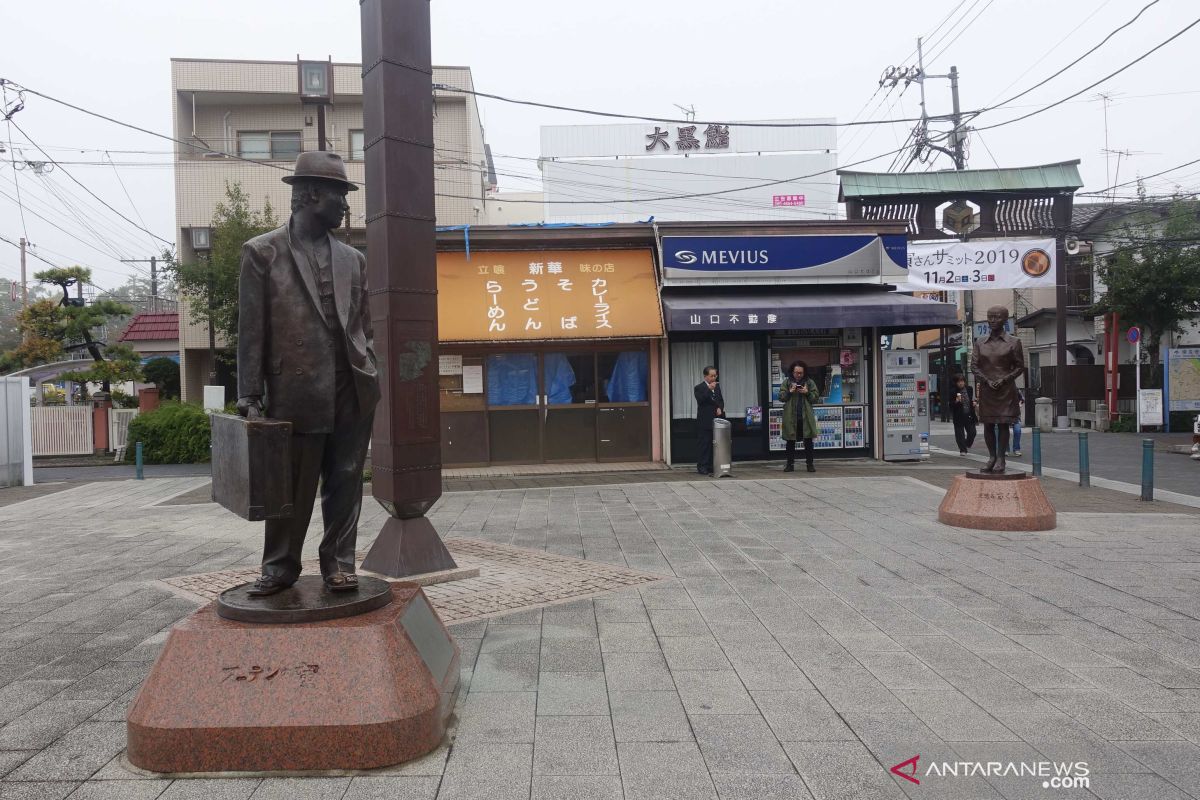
[1064,175]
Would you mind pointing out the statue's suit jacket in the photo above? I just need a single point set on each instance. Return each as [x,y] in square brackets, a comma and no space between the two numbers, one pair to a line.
[284,344]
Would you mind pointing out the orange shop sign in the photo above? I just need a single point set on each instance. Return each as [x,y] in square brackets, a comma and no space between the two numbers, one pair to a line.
[547,294]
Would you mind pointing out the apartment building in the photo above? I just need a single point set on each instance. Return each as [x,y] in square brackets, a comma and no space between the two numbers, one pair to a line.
[246,121]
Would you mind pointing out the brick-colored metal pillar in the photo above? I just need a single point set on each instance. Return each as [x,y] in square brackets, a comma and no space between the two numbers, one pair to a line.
[402,273]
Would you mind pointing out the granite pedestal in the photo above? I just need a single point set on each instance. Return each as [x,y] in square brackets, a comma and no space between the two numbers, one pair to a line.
[1008,501]
[358,692]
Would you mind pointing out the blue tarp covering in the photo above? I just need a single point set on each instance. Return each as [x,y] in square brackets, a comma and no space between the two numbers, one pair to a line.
[512,379]
[560,377]
[628,381]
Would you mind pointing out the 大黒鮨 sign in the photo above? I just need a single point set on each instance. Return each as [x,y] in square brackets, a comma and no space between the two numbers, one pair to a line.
[547,294]
[957,266]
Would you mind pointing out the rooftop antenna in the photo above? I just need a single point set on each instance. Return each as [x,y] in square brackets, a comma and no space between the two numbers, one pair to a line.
[688,111]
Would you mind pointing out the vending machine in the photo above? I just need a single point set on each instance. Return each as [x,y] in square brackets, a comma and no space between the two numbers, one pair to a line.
[905,405]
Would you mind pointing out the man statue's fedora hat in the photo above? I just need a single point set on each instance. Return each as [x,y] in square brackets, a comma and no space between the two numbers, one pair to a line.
[323,164]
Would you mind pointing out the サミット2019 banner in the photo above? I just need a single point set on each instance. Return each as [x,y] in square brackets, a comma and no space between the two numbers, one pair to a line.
[991,264]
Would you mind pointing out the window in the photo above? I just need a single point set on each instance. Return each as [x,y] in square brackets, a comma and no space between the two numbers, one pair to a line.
[269,145]
[356,146]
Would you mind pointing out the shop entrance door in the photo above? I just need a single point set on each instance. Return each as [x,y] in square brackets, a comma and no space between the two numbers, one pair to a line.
[568,405]
[514,408]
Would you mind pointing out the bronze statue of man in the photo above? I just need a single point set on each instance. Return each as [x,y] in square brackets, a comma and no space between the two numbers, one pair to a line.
[306,356]
[997,360]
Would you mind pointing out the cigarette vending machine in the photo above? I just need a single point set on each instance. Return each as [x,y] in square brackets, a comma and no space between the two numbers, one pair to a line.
[905,405]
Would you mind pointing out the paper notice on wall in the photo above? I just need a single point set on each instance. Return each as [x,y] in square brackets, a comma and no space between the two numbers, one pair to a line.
[450,365]
[472,377]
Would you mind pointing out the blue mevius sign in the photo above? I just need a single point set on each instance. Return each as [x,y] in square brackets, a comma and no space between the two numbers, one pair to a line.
[854,256]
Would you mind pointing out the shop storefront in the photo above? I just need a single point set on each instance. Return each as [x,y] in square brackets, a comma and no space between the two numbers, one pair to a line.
[752,300]
[550,346]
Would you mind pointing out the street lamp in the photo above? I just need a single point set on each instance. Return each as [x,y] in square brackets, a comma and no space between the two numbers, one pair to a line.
[316,88]
[201,239]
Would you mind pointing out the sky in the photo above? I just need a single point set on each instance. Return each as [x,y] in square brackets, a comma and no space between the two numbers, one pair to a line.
[758,59]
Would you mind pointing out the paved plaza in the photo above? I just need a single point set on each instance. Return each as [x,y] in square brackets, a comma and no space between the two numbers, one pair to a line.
[773,638]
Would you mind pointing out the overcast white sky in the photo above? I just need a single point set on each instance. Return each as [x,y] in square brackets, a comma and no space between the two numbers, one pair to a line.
[732,60]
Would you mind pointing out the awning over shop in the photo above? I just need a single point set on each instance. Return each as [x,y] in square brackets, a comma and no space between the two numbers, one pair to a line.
[779,311]
[535,295]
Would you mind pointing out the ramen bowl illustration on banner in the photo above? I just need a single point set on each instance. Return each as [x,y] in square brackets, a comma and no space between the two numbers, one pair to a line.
[1035,263]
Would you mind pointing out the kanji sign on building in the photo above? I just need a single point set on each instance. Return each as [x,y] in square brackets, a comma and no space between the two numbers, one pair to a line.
[716,137]
[542,294]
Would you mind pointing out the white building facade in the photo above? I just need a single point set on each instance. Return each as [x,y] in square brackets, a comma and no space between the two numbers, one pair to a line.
[773,170]
[245,123]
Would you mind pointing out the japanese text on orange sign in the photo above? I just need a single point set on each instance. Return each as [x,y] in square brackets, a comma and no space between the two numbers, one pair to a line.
[547,295]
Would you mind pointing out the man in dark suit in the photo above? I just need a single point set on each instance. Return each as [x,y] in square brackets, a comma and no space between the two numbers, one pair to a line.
[306,356]
[709,406]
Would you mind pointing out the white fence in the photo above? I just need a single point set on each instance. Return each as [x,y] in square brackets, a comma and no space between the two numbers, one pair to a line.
[62,430]
[118,428]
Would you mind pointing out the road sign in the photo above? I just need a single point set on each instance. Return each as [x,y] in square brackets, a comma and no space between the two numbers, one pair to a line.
[1134,335]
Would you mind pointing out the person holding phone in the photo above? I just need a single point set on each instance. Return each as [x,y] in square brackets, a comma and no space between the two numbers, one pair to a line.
[710,405]
[962,411]
[798,392]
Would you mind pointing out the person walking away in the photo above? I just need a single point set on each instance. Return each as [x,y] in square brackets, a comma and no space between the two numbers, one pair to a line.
[1016,428]
[962,410]
[710,405]
[797,393]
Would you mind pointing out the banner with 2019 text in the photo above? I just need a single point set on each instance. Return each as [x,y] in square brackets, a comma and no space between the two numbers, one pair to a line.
[990,264]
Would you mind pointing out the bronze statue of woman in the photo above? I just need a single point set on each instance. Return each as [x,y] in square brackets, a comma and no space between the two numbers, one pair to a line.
[997,360]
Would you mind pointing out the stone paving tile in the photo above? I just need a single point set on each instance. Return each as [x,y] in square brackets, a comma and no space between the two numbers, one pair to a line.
[860,637]
[37,790]
[301,789]
[571,655]
[397,788]
[649,717]
[693,652]
[575,746]
[572,693]
[637,672]
[713,692]
[120,790]
[77,755]
[739,744]
[842,771]
[497,716]
[664,771]
[211,789]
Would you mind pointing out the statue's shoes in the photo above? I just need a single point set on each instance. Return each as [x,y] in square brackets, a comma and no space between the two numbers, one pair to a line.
[268,585]
[341,582]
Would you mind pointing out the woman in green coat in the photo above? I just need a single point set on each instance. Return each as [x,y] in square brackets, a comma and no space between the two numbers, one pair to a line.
[798,393]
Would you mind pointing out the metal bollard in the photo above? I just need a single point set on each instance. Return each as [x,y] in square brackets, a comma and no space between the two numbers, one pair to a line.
[1147,469]
[137,460]
[1085,475]
[1037,451]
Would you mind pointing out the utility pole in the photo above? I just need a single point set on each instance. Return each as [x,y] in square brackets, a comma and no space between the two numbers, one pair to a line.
[24,279]
[921,143]
[956,136]
[957,153]
[153,262]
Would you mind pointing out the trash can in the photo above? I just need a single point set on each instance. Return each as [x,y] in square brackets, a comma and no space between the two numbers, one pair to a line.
[722,447]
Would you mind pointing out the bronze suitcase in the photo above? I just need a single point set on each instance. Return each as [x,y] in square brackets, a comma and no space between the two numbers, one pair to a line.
[252,466]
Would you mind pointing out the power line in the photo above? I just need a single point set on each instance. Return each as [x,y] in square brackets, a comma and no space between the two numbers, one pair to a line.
[667,120]
[1049,50]
[89,191]
[132,204]
[1087,53]
[946,46]
[1093,85]
[12,153]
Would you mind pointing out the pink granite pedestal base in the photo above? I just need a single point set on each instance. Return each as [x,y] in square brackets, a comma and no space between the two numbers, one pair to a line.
[1006,502]
[354,693]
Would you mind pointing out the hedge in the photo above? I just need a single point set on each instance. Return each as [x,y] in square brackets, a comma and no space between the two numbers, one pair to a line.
[171,434]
